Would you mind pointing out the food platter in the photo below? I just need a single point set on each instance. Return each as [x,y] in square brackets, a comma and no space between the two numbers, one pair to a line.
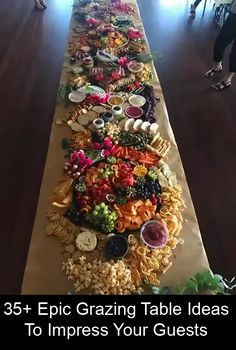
[115,179]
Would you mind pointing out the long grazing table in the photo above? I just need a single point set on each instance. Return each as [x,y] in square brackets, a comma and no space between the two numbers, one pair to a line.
[43,273]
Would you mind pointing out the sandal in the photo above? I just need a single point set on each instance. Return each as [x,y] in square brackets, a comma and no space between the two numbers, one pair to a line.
[37,5]
[43,3]
[221,85]
[212,72]
[193,10]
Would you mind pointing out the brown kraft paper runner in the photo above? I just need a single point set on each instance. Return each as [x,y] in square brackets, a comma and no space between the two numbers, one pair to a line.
[43,273]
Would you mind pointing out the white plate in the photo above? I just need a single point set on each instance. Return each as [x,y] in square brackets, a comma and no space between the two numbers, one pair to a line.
[83,120]
[77,96]
[122,18]
[118,97]
[77,69]
[131,67]
[106,57]
[89,89]
[99,109]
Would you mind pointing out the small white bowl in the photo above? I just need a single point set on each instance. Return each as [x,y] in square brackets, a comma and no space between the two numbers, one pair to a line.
[115,100]
[117,110]
[77,96]
[137,100]
[98,123]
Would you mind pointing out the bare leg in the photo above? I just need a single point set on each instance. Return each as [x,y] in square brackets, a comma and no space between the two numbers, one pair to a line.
[226,82]
[225,37]
[228,77]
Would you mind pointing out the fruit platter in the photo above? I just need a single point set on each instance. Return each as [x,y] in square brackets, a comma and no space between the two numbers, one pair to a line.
[114,38]
[117,207]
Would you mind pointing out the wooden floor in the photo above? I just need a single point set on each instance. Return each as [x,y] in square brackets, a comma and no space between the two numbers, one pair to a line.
[204,122]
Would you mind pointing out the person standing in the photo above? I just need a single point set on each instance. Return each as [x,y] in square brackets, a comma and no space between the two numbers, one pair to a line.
[40,4]
[226,36]
[194,6]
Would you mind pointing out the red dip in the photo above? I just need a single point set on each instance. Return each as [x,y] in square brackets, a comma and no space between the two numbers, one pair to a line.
[154,234]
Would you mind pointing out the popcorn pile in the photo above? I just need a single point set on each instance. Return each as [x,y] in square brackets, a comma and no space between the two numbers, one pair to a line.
[101,277]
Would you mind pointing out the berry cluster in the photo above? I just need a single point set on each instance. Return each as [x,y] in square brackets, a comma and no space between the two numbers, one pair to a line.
[148,188]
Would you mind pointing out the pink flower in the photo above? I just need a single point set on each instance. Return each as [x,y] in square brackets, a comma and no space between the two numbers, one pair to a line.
[96,98]
[105,153]
[81,156]
[74,156]
[78,158]
[123,61]
[123,7]
[107,142]
[104,98]
[89,161]
[134,34]
[85,163]
[91,21]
